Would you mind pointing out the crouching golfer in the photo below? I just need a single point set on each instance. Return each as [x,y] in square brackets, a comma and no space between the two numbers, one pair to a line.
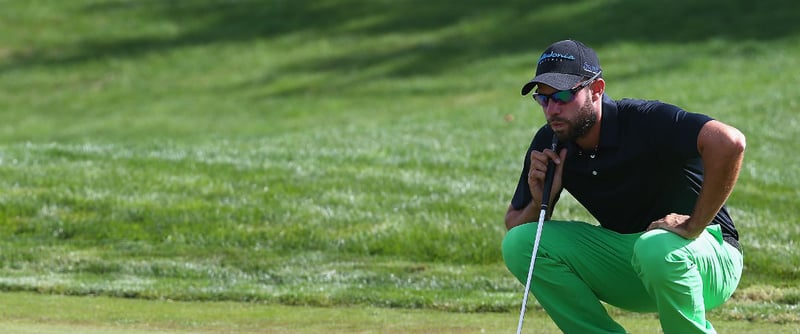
[655,177]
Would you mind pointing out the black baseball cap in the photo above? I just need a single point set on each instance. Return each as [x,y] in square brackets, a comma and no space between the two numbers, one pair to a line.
[563,65]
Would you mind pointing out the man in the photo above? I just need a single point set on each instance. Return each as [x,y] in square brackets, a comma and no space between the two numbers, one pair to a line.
[654,176]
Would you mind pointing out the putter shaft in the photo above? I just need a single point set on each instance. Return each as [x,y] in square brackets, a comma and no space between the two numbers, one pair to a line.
[548,184]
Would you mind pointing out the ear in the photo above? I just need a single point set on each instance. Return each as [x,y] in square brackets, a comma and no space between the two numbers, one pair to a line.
[598,88]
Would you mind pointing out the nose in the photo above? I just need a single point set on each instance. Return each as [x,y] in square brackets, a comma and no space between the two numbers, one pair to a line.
[553,108]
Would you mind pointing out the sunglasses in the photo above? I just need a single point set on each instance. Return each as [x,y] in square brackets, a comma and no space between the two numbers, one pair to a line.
[563,96]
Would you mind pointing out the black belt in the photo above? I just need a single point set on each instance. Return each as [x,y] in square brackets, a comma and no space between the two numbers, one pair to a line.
[733,242]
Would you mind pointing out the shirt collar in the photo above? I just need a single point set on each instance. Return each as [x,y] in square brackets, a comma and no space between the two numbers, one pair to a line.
[609,136]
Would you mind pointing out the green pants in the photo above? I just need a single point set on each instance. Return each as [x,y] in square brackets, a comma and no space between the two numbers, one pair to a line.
[578,265]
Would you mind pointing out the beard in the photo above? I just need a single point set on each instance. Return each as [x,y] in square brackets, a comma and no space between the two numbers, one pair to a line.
[580,125]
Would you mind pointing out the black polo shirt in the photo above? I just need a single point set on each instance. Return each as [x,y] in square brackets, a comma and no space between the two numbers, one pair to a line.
[646,166]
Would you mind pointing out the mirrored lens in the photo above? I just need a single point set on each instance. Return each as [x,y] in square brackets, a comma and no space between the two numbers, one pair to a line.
[541,99]
[563,96]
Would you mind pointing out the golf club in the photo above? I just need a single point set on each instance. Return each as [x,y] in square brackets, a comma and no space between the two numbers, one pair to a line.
[548,183]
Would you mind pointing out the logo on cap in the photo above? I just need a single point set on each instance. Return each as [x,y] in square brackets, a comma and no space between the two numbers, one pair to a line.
[591,68]
[553,54]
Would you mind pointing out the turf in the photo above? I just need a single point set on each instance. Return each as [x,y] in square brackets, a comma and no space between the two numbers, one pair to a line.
[21,313]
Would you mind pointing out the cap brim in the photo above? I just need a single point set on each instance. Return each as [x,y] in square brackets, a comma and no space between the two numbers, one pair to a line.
[559,81]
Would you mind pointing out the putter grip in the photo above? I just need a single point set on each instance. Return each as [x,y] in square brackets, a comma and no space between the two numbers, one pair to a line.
[549,176]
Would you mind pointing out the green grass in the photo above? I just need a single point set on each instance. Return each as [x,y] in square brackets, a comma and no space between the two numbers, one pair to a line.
[128,316]
[349,153]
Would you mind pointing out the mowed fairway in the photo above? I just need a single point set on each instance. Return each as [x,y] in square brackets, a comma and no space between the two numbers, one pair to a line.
[218,166]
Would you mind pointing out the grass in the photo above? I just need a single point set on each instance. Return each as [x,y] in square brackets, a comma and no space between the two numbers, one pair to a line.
[124,316]
[349,153]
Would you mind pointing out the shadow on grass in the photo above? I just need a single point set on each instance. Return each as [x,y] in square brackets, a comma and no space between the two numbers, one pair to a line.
[505,28]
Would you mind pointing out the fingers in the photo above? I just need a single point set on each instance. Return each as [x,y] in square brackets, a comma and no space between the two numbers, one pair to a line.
[654,225]
[562,156]
[553,155]
[539,161]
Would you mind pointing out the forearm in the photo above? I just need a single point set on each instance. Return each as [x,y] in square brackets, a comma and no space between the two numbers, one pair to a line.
[518,217]
[722,151]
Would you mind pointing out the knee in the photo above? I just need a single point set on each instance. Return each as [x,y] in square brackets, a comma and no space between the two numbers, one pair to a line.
[521,238]
[517,248]
[555,243]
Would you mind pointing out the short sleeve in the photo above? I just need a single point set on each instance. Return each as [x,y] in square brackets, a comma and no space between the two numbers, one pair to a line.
[673,129]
